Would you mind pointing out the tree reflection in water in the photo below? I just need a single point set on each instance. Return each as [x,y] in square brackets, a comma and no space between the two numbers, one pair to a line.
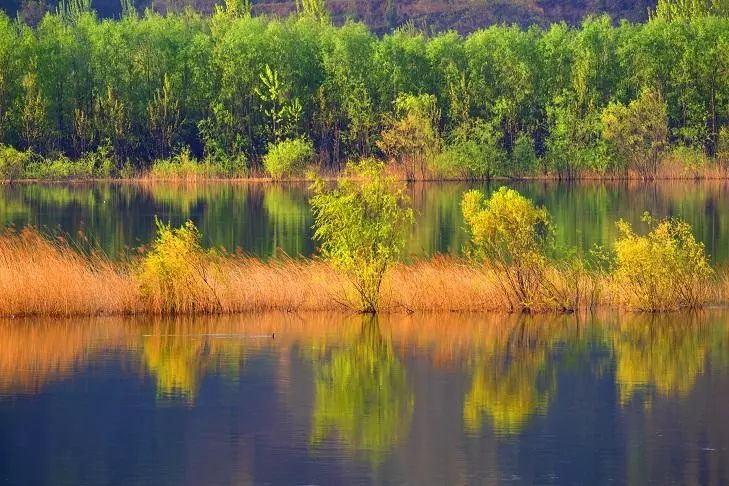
[513,380]
[660,354]
[362,393]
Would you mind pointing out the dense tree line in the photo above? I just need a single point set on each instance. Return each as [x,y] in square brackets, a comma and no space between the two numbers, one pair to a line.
[503,99]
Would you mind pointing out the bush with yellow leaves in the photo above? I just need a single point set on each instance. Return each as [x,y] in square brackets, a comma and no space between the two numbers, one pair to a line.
[175,275]
[513,237]
[667,269]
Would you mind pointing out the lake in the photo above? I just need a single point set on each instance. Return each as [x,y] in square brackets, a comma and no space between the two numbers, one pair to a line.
[301,399]
[605,398]
[265,219]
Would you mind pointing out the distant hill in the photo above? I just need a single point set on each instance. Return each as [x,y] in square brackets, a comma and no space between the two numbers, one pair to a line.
[384,15]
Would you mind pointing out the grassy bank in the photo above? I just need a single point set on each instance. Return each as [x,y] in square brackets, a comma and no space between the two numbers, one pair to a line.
[39,277]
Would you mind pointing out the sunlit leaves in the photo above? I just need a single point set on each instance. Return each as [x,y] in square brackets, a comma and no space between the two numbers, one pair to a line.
[362,226]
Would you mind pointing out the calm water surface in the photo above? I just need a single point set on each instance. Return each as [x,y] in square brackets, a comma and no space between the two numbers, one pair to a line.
[264,219]
[282,399]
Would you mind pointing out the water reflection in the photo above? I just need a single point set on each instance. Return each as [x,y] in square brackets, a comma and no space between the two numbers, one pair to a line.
[264,219]
[660,354]
[179,353]
[284,398]
[362,393]
[515,381]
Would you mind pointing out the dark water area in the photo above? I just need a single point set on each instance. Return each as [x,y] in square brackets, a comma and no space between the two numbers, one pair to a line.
[266,219]
[327,399]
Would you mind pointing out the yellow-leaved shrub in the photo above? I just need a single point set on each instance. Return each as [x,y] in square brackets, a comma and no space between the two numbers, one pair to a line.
[667,269]
[513,237]
[175,275]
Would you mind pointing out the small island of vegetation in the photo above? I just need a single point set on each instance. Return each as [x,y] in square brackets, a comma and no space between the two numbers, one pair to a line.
[511,264]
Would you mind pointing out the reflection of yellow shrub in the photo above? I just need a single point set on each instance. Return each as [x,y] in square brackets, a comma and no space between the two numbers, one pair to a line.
[176,364]
[173,275]
[666,354]
[180,352]
[509,395]
[665,270]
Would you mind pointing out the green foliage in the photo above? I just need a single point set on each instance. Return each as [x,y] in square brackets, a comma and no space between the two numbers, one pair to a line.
[722,150]
[474,152]
[61,167]
[638,132]
[283,114]
[573,144]
[524,160]
[315,9]
[229,85]
[235,8]
[221,138]
[693,159]
[288,158]
[412,137]
[174,274]
[184,166]
[12,163]
[362,226]
[667,269]
[513,237]
[671,10]
[164,117]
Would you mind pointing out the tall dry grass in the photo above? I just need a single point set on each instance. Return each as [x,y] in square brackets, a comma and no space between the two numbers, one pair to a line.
[43,277]
[40,277]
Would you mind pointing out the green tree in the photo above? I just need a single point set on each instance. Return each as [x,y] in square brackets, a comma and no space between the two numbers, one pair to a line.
[638,132]
[283,114]
[474,151]
[164,118]
[412,138]
[362,226]
[671,10]
[33,114]
[315,9]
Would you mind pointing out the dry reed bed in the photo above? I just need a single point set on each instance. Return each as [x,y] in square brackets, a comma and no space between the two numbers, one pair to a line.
[40,277]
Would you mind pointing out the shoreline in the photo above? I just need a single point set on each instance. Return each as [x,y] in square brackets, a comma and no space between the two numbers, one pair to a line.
[333,178]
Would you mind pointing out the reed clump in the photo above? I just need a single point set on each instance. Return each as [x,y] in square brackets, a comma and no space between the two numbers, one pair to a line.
[39,276]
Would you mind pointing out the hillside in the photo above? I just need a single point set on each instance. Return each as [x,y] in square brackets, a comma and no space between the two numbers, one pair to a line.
[384,15]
